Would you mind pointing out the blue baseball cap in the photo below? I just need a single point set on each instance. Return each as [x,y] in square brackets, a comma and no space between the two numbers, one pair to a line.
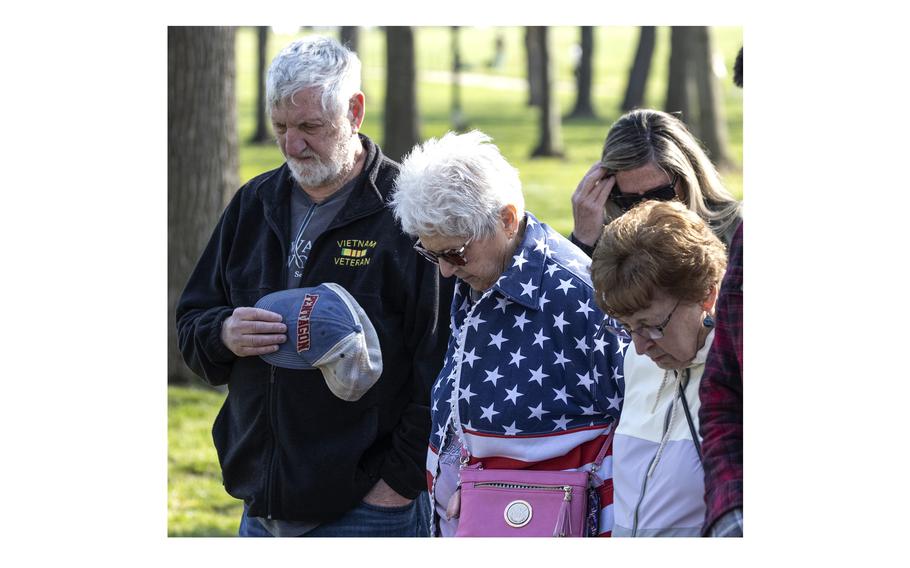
[329,331]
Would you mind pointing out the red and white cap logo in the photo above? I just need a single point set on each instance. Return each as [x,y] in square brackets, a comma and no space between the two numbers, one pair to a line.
[303,322]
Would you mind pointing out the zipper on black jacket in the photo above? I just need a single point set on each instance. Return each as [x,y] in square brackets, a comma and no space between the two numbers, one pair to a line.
[296,241]
[271,415]
[271,395]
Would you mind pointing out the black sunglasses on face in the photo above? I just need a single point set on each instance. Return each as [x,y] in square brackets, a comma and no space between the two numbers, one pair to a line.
[452,256]
[626,201]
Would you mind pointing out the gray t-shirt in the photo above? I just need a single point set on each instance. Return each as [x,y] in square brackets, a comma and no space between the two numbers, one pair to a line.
[308,221]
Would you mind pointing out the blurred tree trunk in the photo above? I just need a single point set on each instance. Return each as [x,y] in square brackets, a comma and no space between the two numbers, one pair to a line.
[679,83]
[584,76]
[402,125]
[712,125]
[459,124]
[499,51]
[641,68]
[350,38]
[535,83]
[550,127]
[262,44]
[202,154]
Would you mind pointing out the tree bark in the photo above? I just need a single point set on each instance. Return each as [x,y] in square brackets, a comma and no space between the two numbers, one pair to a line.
[712,125]
[584,76]
[679,83]
[499,51]
[202,154]
[535,83]
[350,37]
[459,123]
[641,68]
[738,69]
[402,123]
[550,127]
[262,43]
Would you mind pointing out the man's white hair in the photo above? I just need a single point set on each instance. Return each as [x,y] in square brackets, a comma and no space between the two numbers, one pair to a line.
[314,61]
[455,186]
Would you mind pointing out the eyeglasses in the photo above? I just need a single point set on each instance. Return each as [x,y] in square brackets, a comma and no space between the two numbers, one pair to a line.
[452,256]
[650,331]
[626,201]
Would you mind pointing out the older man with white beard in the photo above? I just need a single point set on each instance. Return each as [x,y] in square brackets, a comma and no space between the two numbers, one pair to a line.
[304,461]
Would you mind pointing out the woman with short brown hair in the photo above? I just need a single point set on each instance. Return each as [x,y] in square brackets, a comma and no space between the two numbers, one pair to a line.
[657,270]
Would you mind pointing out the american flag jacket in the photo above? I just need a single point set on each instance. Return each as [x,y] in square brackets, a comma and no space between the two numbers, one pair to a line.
[530,380]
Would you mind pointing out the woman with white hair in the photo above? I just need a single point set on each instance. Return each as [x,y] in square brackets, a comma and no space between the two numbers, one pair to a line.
[526,383]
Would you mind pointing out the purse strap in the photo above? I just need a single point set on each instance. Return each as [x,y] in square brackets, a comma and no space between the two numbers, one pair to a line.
[685,405]
[454,417]
[603,449]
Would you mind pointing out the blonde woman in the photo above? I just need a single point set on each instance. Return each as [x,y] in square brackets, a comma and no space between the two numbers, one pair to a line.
[651,155]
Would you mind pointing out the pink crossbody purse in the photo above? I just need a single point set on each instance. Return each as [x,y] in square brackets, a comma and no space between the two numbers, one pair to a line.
[525,502]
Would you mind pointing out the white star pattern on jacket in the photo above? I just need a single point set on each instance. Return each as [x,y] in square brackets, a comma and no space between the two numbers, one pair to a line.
[498,340]
[535,374]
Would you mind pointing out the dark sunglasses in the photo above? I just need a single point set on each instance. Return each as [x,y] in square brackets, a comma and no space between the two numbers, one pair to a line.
[452,256]
[626,201]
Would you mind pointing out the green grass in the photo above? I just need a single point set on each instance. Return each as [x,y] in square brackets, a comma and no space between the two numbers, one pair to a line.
[197,502]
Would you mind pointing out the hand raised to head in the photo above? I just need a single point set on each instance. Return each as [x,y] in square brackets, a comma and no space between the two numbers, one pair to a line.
[588,203]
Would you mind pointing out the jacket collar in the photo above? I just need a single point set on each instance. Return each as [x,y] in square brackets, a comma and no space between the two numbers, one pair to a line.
[520,282]
[366,198]
[702,354]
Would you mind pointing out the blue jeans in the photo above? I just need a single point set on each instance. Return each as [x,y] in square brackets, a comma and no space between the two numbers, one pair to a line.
[363,520]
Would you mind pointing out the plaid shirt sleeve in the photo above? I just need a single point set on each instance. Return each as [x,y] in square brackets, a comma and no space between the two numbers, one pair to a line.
[721,393]
[729,525]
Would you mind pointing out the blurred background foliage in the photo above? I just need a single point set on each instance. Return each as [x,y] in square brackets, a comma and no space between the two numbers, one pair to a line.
[495,99]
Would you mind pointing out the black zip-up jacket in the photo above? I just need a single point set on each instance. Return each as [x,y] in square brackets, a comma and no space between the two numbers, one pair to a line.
[287,446]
